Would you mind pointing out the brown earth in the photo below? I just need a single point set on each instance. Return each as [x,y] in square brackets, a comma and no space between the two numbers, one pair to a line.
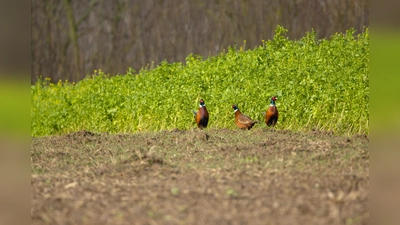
[200,177]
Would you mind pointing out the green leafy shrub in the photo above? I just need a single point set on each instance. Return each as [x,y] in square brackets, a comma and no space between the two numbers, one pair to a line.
[320,84]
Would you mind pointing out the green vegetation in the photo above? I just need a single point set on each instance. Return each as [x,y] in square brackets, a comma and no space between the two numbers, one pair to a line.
[15,98]
[385,80]
[320,84]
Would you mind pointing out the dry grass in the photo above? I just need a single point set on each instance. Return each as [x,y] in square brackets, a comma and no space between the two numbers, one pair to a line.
[196,177]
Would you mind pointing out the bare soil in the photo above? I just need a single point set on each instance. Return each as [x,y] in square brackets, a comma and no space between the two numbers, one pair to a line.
[216,176]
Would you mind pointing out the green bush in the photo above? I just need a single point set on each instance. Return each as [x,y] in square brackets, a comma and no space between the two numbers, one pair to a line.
[320,84]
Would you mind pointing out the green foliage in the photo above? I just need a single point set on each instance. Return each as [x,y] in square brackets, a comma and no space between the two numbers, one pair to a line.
[320,84]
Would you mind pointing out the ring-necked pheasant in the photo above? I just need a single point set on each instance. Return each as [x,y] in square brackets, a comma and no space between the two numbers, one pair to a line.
[242,121]
[201,115]
[271,116]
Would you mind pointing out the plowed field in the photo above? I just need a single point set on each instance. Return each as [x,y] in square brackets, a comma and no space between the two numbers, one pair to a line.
[216,176]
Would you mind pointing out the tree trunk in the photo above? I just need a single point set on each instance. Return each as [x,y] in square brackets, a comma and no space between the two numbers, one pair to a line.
[73,36]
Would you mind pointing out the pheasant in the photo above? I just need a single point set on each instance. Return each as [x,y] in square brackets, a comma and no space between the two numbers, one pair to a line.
[242,121]
[201,115]
[271,116]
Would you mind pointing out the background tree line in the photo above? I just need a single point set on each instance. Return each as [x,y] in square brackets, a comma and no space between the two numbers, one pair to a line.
[71,38]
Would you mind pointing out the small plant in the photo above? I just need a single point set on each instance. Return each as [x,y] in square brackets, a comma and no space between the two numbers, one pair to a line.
[175,191]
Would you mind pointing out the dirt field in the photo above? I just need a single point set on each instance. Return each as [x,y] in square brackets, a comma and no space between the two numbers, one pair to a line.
[200,177]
